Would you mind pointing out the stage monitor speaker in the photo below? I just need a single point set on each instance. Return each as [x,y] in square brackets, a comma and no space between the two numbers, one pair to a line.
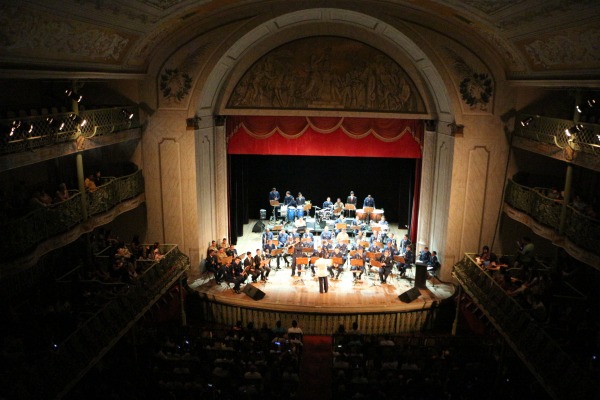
[253,292]
[310,223]
[420,275]
[410,295]
[258,227]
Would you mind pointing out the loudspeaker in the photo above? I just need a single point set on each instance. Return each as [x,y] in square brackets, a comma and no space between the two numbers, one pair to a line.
[420,275]
[253,292]
[310,223]
[258,227]
[410,295]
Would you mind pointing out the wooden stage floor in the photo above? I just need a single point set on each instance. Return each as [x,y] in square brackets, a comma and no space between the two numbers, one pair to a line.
[286,293]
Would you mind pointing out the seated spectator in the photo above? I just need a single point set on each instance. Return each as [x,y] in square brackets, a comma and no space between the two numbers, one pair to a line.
[62,193]
[578,203]
[90,184]
[295,332]
[278,330]
[40,199]
[554,194]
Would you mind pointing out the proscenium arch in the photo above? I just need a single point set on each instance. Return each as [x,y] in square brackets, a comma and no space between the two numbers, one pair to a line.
[212,96]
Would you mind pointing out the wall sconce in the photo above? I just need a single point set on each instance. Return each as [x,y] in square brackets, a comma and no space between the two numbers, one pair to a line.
[73,96]
[126,114]
[77,120]
[455,129]
[573,130]
[193,123]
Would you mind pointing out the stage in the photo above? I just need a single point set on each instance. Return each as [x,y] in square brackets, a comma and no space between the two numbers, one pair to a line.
[377,306]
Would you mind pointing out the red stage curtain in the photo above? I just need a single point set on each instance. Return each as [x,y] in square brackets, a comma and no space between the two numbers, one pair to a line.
[324,136]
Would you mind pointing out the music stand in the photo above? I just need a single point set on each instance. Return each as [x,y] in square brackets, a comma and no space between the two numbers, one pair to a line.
[274,204]
[375,229]
[398,260]
[341,226]
[351,208]
[275,253]
[364,244]
[376,264]
[307,208]
[368,211]
[301,261]
[277,228]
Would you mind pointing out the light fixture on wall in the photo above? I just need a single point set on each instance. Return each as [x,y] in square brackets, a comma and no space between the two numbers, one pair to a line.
[78,120]
[126,114]
[55,124]
[526,121]
[573,130]
[73,96]
[192,123]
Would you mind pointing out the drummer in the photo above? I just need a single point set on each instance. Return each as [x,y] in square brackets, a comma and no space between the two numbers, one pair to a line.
[327,204]
[369,202]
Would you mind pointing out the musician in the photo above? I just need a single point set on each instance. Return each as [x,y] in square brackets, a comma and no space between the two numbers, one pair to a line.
[273,195]
[212,246]
[308,234]
[316,253]
[359,237]
[359,255]
[343,247]
[342,237]
[260,264]
[387,263]
[339,220]
[236,274]
[327,204]
[327,245]
[249,267]
[351,200]
[326,234]
[266,236]
[268,248]
[297,253]
[300,200]
[374,248]
[359,225]
[283,238]
[404,243]
[391,239]
[231,251]
[425,256]
[409,259]
[221,256]
[339,267]
[391,249]
[212,265]
[369,202]
[288,200]
[338,204]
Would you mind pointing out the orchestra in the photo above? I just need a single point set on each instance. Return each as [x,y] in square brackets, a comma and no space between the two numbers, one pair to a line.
[360,244]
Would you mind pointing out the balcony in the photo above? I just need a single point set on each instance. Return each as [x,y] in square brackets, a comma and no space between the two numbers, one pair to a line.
[531,206]
[556,371]
[51,227]
[55,371]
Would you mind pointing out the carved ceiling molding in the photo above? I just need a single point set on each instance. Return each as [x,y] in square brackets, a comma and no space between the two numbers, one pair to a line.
[543,11]
[575,48]
[27,33]
[117,8]
[327,73]
[489,6]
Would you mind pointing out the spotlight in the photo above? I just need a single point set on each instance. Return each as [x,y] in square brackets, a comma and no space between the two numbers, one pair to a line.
[73,96]
[526,121]
[573,130]
[126,114]
[77,120]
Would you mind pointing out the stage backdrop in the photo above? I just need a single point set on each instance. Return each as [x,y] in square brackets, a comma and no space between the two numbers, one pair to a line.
[321,157]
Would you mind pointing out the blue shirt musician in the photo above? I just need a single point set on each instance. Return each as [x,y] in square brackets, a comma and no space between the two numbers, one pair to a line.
[339,220]
[266,237]
[387,263]
[273,195]
[336,265]
[326,234]
[327,204]
[425,256]
[404,243]
[369,202]
[300,200]
[289,200]
[358,269]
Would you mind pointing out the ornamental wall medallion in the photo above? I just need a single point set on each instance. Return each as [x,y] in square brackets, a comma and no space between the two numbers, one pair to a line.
[327,73]
[475,82]
[175,85]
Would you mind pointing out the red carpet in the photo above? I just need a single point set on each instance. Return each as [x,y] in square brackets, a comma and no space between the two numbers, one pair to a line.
[315,368]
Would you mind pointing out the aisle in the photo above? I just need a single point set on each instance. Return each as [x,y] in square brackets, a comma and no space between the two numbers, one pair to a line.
[315,368]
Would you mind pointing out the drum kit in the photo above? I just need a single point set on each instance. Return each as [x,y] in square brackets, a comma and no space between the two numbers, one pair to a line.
[325,214]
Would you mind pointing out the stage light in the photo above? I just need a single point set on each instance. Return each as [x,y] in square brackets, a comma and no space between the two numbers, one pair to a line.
[573,130]
[73,96]
[578,109]
[526,121]
[126,114]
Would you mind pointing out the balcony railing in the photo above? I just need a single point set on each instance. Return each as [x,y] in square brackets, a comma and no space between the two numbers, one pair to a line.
[585,138]
[552,366]
[20,235]
[46,130]
[581,229]
[61,368]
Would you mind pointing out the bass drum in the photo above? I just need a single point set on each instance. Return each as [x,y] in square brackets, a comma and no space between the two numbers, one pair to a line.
[291,213]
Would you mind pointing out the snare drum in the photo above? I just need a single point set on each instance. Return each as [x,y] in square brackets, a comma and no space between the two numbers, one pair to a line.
[376,215]
[283,211]
[361,214]
[300,212]
[291,213]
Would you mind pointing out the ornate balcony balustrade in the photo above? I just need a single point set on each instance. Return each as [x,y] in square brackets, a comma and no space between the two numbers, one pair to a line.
[542,355]
[581,229]
[22,234]
[39,131]
[60,369]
